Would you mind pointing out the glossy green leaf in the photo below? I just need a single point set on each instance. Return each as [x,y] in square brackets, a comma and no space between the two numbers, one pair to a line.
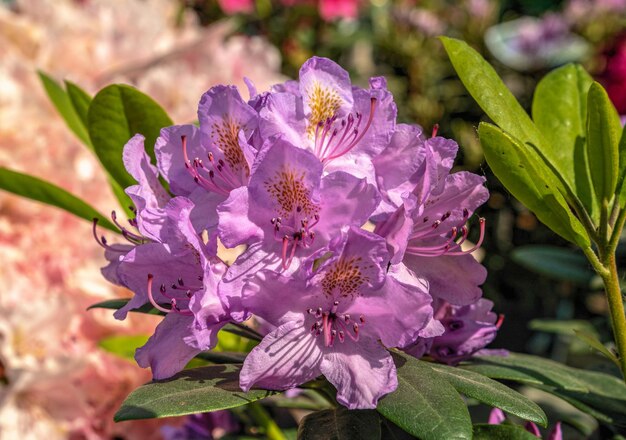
[80,101]
[621,188]
[425,404]
[547,371]
[560,112]
[594,342]
[492,393]
[486,87]
[340,424]
[64,106]
[554,262]
[501,432]
[517,168]
[117,113]
[603,136]
[115,304]
[123,346]
[504,373]
[191,391]
[33,188]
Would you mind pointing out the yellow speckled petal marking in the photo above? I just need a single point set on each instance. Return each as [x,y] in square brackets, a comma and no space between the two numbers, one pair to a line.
[344,277]
[288,190]
[324,103]
[226,137]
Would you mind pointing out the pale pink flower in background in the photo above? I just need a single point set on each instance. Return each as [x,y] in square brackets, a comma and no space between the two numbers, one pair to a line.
[60,384]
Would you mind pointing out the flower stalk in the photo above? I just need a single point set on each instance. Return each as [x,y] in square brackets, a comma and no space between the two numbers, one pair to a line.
[616,309]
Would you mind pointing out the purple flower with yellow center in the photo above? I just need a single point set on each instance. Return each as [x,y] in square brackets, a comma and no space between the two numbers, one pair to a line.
[335,317]
[205,164]
[287,212]
[342,125]
[425,213]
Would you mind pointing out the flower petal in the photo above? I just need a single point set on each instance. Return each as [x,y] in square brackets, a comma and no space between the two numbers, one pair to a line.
[166,353]
[287,357]
[362,372]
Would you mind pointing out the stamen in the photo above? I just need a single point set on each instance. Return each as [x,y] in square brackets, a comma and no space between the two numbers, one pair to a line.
[435,130]
[151,298]
[356,137]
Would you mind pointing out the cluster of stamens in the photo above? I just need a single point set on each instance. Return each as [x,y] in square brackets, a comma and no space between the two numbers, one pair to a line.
[456,237]
[132,237]
[334,325]
[292,237]
[178,300]
[216,177]
[334,139]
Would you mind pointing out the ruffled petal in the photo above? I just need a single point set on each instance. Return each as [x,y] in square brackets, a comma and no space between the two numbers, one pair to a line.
[362,372]
[166,353]
[287,357]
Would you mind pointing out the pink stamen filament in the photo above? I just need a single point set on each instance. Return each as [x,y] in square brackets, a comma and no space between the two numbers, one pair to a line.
[192,168]
[334,325]
[157,306]
[421,233]
[329,150]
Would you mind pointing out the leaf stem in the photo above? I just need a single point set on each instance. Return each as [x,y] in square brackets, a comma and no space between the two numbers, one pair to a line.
[595,262]
[616,309]
[617,232]
[263,418]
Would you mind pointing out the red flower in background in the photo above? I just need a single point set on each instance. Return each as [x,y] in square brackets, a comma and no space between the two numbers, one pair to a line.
[614,76]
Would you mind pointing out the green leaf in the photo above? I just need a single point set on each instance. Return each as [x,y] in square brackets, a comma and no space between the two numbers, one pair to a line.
[115,304]
[486,87]
[492,393]
[116,114]
[425,404]
[123,346]
[554,262]
[594,342]
[603,133]
[501,432]
[504,373]
[546,371]
[340,424]
[192,391]
[560,112]
[517,168]
[64,106]
[80,101]
[621,188]
[33,188]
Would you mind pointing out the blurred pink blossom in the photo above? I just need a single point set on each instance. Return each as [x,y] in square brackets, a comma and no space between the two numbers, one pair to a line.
[234,6]
[60,384]
[333,9]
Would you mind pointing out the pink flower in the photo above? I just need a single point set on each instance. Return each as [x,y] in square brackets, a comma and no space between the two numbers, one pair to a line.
[333,9]
[235,6]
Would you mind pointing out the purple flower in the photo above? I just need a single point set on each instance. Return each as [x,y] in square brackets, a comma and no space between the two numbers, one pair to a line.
[205,164]
[335,319]
[432,209]
[342,125]
[287,211]
[467,330]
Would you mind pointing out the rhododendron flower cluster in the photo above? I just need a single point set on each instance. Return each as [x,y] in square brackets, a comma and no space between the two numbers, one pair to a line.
[294,174]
